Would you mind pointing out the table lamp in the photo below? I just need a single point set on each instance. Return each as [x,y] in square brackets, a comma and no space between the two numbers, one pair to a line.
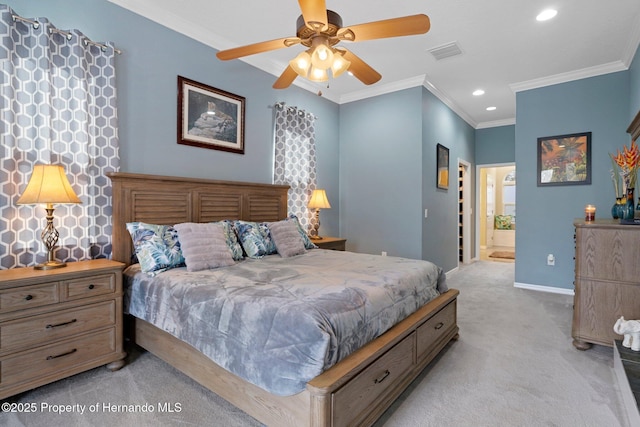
[318,201]
[48,184]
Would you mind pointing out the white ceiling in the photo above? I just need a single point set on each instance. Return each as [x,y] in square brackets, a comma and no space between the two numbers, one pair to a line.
[504,48]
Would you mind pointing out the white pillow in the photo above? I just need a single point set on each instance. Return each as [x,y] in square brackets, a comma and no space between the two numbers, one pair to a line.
[204,245]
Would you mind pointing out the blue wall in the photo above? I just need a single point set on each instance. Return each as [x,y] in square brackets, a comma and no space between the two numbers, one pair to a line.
[634,83]
[440,230]
[380,174]
[545,214]
[496,145]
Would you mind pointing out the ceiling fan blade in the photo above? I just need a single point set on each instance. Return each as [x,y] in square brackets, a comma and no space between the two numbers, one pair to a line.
[395,27]
[314,13]
[360,69]
[285,79]
[252,49]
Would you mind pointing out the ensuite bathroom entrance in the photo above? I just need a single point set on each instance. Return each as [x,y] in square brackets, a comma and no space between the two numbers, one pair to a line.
[497,212]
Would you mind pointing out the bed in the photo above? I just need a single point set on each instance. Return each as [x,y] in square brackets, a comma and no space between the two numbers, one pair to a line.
[354,391]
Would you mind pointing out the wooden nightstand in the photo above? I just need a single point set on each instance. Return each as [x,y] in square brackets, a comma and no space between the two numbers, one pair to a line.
[333,243]
[57,323]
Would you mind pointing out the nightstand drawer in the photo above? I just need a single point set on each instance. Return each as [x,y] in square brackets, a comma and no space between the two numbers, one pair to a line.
[89,286]
[39,330]
[28,297]
[55,359]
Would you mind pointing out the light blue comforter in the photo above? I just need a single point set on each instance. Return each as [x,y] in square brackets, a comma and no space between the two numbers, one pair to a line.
[279,322]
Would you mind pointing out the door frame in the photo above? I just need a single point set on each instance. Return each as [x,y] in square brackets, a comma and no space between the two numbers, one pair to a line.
[467,212]
[482,215]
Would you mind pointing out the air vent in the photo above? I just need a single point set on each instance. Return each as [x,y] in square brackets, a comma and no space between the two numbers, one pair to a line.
[445,51]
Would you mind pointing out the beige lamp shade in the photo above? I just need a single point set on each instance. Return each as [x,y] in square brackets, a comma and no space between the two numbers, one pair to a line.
[48,184]
[319,200]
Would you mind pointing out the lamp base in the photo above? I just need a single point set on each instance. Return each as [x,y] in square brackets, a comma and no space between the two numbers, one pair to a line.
[50,265]
[315,237]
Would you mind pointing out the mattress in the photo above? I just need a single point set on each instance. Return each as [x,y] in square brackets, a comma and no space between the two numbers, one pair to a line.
[279,322]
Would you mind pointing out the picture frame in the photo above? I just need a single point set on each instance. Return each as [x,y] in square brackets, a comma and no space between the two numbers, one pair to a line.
[442,167]
[209,117]
[564,159]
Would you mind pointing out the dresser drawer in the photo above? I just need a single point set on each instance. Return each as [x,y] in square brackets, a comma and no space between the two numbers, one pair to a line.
[40,330]
[434,328]
[353,401]
[89,286]
[28,297]
[55,359]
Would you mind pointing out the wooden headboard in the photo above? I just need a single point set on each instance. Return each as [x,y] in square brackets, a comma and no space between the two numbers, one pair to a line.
[169,200]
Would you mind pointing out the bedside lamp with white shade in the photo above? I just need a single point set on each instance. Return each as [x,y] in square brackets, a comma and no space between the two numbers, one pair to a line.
[48,185]
[318,201]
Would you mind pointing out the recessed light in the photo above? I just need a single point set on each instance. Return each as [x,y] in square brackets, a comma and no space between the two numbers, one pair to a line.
[546,14]
[478,92]
[491,108]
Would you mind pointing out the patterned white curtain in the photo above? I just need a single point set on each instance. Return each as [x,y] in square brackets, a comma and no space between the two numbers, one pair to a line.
[57,106]
[295,158]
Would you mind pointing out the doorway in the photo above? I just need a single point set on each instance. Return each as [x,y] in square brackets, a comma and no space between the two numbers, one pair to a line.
[465,212]
[496,219]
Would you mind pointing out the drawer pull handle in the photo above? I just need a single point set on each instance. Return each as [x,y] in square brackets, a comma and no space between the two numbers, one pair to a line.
[29,297]
[62,324]
[63,354]
[91,286]
[383,377]
[439,325]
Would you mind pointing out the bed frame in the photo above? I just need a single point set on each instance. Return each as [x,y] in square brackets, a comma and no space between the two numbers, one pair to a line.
[356,391]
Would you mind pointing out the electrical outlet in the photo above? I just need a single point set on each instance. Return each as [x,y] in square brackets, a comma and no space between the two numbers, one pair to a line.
[551,260]
[384,253]
[426,212]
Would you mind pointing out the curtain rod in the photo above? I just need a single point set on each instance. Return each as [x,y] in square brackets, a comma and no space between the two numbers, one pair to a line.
[68,35]
[300,111]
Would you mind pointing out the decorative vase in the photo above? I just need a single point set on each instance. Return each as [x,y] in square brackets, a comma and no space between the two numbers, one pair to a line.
[616,209]
[629,208]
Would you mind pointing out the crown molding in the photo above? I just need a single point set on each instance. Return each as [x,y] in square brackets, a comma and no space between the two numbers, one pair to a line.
[496,123]
[442,96]
[381,89]
[569,76]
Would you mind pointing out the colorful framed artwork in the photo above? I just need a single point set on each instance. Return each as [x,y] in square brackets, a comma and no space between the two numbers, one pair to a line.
[442,167]
[210,117]
[564,159]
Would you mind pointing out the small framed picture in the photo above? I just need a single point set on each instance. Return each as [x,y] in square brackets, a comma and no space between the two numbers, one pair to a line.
[210,117]
[564,159]
[442,167]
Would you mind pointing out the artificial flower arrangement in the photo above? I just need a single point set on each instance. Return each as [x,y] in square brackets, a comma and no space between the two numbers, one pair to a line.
[627,164]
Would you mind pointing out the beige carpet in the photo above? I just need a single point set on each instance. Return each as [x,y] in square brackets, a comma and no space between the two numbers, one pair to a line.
[513,365]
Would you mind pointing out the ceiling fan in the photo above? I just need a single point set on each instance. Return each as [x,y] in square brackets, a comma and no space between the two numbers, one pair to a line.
[320,30]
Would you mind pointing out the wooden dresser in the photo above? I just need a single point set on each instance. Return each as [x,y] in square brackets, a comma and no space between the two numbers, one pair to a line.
[607,280]
[57,323]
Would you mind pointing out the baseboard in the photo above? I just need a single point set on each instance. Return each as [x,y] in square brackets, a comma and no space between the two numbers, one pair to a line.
[452,271]
[540,288]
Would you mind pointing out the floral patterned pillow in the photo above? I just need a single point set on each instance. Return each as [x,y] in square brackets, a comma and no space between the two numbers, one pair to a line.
[232,240]
[156,246]
[254,238]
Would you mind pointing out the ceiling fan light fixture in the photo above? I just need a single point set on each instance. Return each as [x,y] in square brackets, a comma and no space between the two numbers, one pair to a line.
[318,74]
[340,65]
[321,56]
[301,63]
